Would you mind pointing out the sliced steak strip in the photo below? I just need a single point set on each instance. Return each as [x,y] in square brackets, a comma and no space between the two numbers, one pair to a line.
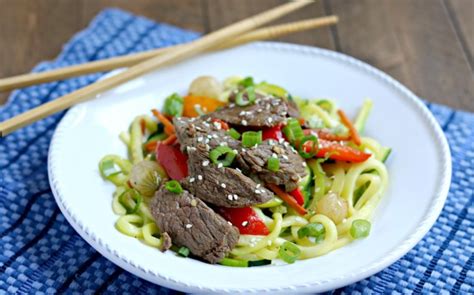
[225,187]
[201,130]
[292,166]
[191,223]
[267,111]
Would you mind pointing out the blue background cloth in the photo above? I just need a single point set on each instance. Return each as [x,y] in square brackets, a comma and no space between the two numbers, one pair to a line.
[41,252]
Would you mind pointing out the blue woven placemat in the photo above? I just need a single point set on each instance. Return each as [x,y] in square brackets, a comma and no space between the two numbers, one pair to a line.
[41,252]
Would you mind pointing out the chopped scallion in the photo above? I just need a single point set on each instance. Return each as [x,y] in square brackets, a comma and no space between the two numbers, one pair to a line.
[174,187]
[245,97]
[293,130]
[246,82]
[273,164]
[360,228]
[234,133]
[183,251]
[108,168]
[173,105]
[216,154]
[289,252]
[251,138]
[314,230]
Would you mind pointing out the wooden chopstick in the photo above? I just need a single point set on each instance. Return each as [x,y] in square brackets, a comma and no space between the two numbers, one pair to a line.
[188,50]
[271,32]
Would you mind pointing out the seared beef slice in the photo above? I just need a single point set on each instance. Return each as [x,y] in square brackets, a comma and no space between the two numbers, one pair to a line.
[292,166]
[191,223]
[221,186]
[267,111]
[194,131]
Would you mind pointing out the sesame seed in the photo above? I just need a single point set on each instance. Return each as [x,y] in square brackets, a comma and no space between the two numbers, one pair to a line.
[269,119]
[235,151]
[242,113]
[236,197]
[220,165]
[238,170]
[285,157]
[199,177]
[205,163]
[189,225]
[215,136]
[304,164]
[209,136]
[258,185]
[269,242]
[229,197]
[199,139]
[257,191]
[244,122]
[223,185]
[245,223]
[192,179]
[223,143]
[244,150]
[193,202]
[274,155]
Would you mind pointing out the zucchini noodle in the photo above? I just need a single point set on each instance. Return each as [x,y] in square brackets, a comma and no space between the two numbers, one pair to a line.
[360,186]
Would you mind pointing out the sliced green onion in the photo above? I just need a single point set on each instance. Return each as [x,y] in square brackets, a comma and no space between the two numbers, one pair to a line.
[314,230]
[173,105]
[360,228]
[262,262]
[240,99]
[234,133]
[246,82]
[251,138]
[273,164]
[130,200]
[216,154]
[289,252]
[174,187]
[293,130]
[183,251]
[234,262]
[314,146]
[108,168]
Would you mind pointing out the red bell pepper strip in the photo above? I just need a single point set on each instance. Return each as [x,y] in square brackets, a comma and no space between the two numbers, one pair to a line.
[173,161]
[245,219]
[298,195]
[288,199]
[337,151]
[272,133]
[323,134]
[224,125]
[352,131]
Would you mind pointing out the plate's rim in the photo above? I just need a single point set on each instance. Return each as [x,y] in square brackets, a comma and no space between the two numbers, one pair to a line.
[400,250]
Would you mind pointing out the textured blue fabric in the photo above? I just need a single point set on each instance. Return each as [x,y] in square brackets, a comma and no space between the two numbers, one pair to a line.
[40,252]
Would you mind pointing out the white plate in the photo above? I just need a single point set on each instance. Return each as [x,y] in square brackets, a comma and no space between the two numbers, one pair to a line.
[419,168]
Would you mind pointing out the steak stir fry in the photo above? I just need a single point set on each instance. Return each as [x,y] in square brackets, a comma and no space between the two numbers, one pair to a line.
[232,174]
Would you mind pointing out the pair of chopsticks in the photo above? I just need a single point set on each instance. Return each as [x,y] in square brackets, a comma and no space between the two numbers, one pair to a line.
[139,64]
